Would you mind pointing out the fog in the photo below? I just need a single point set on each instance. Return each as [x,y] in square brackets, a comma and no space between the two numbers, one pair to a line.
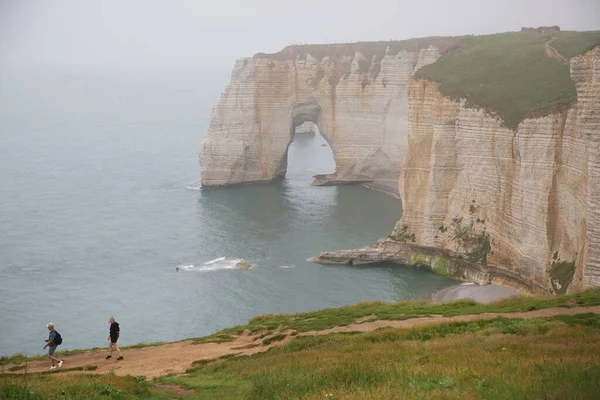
[150,33]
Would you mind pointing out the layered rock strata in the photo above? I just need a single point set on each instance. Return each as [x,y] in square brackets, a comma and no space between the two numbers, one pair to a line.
[355,93]
[440,261]
[522,203]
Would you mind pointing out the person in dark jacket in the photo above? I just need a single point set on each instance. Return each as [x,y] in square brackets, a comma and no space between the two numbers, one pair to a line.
[113,336]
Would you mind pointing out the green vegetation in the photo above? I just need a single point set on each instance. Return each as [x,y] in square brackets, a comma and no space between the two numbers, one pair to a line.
[561,275]
[554,357]
[60,386]
[332,317]
[474,244]
[274,338]
[404,236]
[20,358]
[509,74]
[496,359]
[226,335]
[570,44]
[368,49]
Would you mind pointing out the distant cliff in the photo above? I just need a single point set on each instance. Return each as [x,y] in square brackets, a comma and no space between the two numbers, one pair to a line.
[497,144]
[355,93]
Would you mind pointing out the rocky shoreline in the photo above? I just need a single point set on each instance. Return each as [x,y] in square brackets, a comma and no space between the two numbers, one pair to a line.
[469,290]
[386,186]
[440,261]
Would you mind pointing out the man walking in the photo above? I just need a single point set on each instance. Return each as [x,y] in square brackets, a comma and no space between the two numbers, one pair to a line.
[54,339]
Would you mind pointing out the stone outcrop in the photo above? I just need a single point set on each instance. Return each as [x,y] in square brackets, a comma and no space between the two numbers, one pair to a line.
[243,265]
[440,261]
[355,93]
[522,203]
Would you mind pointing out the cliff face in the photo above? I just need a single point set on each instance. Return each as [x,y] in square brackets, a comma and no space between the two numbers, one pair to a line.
[519,206]
[358,99]
[526,200]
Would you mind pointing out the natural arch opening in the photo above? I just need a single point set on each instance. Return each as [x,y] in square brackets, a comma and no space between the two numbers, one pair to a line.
[308,153]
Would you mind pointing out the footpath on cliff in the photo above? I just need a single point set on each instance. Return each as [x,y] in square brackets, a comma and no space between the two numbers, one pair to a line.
[158,360]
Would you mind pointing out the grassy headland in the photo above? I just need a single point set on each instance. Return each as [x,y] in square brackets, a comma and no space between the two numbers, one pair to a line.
[509,74]
[546,357]
[332,317]
[498,359]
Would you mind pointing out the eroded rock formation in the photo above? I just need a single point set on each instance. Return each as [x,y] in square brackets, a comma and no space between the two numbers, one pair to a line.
[355,93]
[524,202]
[519,207]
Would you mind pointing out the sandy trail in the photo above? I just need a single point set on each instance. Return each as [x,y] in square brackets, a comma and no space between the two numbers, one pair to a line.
[553,53]
[174,358]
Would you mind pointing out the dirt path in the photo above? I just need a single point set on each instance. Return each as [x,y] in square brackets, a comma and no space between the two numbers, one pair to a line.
[553,53]
[173,358]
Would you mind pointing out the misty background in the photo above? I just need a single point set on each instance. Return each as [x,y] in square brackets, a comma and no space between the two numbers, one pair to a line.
[212,34]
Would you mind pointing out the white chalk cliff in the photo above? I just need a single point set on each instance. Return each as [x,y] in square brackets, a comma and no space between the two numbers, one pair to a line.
[359,102]
[525,201]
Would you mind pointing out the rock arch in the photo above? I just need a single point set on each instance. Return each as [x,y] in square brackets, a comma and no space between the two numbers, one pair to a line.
[359,102]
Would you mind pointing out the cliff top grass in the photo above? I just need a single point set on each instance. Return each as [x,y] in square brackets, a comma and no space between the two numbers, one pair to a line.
[332,317]
[554,357]
[368,49]
[509,74]
[376,310]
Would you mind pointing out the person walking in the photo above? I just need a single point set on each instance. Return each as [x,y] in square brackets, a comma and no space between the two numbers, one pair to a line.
[54,339]
[113,336]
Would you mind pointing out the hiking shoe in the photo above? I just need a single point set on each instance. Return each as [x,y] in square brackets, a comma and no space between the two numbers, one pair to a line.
[107,357]
[60,363]
[120,358]
[53,367]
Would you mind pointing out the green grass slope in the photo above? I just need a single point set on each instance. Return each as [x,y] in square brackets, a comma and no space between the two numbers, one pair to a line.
[509,74]
[553,357]
[498,359]
[570,44]
[376,310]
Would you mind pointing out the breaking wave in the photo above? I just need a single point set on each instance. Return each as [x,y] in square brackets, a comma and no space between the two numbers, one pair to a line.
[220,263]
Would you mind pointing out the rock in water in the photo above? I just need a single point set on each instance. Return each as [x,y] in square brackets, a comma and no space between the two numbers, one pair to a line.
[243,265]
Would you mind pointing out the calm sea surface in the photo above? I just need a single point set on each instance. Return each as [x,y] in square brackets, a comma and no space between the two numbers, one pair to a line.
[100,201]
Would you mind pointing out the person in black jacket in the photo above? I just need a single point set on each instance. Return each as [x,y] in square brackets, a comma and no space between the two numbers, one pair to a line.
[113,336]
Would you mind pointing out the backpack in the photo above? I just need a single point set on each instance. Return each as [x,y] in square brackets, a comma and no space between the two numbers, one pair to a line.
[57,339]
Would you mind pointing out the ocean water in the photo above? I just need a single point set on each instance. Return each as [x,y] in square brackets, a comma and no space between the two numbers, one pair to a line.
[100,202]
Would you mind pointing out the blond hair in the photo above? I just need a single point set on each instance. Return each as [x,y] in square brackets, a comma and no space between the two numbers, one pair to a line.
[111,320]
[50,325]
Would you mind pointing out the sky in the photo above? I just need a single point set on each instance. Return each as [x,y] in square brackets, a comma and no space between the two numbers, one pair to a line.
[171,33]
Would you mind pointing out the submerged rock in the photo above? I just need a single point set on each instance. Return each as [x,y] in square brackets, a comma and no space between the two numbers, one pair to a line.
[243,265]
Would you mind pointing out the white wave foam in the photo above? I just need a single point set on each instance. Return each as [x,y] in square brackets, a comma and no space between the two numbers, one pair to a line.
[287,266]
[195,188]
[217,264]
[215,260]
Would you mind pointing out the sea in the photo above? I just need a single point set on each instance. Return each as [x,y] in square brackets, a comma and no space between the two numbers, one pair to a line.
[102,214]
